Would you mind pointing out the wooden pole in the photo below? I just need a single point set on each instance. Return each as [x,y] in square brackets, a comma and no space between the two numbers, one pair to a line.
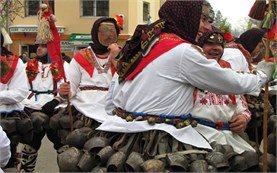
[266,102]
[68,97]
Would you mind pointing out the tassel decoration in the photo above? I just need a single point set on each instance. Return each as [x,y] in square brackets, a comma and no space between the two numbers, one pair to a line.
[44,33]
[272,33]
[258,10]
[7,38]
[275,72]
[268,21]
[119,20]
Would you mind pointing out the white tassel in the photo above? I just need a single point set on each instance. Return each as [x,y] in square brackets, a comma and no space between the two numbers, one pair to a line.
[53,18]
[7,38]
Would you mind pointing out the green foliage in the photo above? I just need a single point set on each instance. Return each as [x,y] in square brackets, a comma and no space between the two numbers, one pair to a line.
[218,18]
[9,10]
[221,22]
[224,25]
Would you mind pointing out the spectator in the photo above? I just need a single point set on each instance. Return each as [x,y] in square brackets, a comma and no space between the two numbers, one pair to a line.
[24,57]
[33,55]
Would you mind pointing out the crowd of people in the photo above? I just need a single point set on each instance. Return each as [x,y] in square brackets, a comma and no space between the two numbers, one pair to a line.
[174,98]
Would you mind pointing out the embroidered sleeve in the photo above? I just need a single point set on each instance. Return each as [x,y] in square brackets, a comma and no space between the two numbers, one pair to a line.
[74,76]
[242,107]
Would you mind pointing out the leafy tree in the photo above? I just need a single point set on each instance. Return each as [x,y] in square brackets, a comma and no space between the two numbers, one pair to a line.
[218,18]
[224,25]
[9,10]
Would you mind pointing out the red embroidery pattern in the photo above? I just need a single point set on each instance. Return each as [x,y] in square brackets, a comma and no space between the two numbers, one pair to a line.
[214,99]
[203,101]
[32,69]
[244,102]
[226,102]
[56,72]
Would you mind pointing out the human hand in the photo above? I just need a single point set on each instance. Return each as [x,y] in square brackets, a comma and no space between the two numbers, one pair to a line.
[64,89]
[267,68]
[114,49]
[238,123]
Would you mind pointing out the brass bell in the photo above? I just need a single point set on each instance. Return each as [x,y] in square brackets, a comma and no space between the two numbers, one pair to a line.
[167,121]
[180,125]
[193,123]
[151,120]
[186,122]
[129,118]
[114,112]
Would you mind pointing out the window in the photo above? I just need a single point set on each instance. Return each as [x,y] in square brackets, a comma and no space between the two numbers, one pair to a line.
[94,7]
[146,11]
[32,7]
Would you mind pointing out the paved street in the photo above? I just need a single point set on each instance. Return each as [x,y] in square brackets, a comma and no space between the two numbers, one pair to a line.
[47,158]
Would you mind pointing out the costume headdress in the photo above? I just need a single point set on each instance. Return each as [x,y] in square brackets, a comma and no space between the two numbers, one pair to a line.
[211,37]
[251,38]
[48,34]
[96,46]
[5,38]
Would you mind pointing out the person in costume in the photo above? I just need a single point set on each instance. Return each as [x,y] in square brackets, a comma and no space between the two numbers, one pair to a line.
[151,98]
[229,110]
[40,104]
[13,90]
[44,74]
[89,78]
[253,40]
[91,70]
[249,44]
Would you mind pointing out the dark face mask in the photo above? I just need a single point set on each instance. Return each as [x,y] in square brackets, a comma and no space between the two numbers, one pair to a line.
[107,34]
[103,34]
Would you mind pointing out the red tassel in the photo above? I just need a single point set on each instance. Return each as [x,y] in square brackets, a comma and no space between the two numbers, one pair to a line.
[258,10]
[120,21]
[272,33]
[54,49]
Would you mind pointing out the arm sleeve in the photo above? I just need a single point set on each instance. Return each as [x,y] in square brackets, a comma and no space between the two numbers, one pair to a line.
[74,76]
[5,152]
[109,98]
[208,75]
[17,87]
[242,107]
[236,59]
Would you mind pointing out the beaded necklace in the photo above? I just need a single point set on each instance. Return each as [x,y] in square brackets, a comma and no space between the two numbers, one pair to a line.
[97,65]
